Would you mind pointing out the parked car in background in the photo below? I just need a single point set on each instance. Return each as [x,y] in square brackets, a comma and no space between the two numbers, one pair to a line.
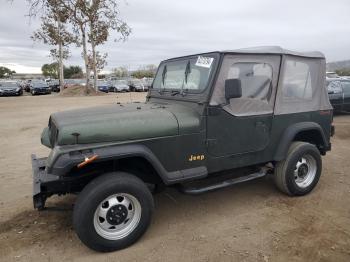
[103,86]
[111,85]
[147,82]
[10,88]
[339,93]
[121,86]
[136,85]
[27,85]
[22,84]
[39,87]
[54,84]
[332,75]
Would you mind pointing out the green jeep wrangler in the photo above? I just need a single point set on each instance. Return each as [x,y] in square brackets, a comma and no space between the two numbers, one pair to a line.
[209,121]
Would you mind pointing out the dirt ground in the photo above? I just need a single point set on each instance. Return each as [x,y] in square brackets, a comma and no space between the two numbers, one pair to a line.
[246,222]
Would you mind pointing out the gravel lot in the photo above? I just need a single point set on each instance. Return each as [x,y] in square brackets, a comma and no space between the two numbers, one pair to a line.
[246,222]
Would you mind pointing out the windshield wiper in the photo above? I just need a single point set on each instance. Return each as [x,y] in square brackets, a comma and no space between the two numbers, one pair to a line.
[187,72]
[160,91]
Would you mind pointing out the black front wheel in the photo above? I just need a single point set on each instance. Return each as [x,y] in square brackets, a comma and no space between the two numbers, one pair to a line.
[113,211]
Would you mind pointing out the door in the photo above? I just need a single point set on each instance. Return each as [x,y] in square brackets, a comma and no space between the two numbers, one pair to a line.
[243,125]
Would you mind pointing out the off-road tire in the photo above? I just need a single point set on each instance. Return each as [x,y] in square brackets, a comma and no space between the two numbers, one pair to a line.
[284,170]
[90,199]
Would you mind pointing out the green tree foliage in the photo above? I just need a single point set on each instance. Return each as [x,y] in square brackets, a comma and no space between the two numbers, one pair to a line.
[343,72]
[50,70]
[73,72]
[6,72]
[145,71]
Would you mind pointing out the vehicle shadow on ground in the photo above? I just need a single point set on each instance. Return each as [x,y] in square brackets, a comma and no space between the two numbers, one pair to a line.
[53,226]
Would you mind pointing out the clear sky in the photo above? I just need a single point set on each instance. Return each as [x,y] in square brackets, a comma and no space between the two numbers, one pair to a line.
[164,29]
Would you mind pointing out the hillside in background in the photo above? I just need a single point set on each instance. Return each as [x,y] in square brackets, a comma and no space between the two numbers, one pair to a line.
[333,66]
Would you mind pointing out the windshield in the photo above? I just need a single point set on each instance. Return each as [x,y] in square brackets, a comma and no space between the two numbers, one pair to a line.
[39,84]
[8,84]
[190,74]
[121,82]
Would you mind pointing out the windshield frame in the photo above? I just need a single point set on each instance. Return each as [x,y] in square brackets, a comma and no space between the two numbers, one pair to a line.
[189,92]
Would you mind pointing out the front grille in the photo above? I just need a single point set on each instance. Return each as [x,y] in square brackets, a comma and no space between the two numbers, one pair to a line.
[9,91]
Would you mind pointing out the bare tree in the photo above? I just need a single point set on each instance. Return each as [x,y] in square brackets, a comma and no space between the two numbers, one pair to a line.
[91,21]
[103,16]
[101,60]
[80,22]
[53,30]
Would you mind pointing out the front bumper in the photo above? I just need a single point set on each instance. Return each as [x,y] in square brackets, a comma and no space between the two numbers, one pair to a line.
[41,91]
[46,184]
[41,180]
[10,93]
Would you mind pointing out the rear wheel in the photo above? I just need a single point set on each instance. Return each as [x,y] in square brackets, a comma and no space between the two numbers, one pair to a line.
[113,212]
[299,173]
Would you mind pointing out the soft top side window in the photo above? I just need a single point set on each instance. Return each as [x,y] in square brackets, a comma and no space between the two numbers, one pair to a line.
[255,79]
[258,77]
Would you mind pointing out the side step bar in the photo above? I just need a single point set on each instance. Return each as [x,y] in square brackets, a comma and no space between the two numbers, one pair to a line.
[192,190]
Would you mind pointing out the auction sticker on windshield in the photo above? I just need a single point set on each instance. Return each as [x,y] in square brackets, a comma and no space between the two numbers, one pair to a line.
[203,61]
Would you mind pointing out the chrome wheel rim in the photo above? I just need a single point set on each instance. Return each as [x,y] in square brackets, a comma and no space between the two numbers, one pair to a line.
[117,216]
[305,171]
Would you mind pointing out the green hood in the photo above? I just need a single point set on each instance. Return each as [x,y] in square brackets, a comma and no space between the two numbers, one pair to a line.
[116,123]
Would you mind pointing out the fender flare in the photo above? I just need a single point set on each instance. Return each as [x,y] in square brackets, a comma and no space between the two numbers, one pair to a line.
[290,133]
[67,161]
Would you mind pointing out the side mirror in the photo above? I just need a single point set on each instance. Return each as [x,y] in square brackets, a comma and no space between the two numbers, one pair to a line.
[233,88]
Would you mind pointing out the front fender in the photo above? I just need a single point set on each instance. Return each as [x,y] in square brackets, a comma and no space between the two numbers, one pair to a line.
[291,132]
[66,161]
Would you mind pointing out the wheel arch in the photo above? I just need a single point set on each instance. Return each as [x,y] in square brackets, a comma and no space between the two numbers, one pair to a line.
[310,132]
[116,158]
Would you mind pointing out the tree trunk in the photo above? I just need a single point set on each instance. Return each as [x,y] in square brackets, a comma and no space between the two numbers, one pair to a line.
[93,47]
[60,60]
[94,62]
[86,59]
